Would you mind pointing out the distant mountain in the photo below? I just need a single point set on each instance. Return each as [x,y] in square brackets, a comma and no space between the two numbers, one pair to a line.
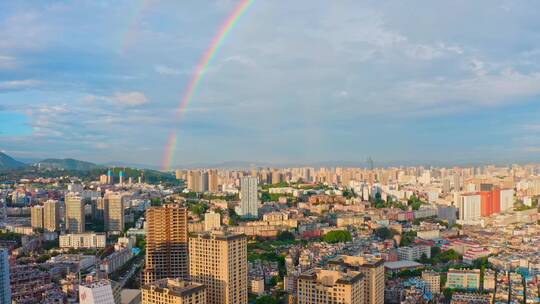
[66,164]
[7,162]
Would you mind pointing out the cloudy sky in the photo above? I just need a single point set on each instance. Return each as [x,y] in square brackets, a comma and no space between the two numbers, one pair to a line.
[295,81]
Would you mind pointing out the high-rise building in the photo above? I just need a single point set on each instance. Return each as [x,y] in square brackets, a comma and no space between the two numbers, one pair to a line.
[213,181]
[114,212]
[507,199]
[51,215]
[166,243]
[195,181]
[433,281]
[110,178]
[121,177]
[212,220]
[249,204]
[373,270]
[173,291]
[490,200]
[330,286]
[5,289]
[469,206]
[74,213]
[36,215]
[219,261]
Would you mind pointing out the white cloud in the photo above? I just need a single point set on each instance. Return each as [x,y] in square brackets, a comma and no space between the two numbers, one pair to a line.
[18,84]
[166,70]
[133,98]
[7,62]
[24,31]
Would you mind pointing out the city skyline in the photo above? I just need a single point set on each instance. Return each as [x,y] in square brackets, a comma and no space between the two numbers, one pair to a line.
[344,82]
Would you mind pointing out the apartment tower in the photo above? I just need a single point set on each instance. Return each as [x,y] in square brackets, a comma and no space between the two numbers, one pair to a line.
[114,213]
[36,216]
[74,214]
[166,243]
[51,215]
[218,260]
[249,204]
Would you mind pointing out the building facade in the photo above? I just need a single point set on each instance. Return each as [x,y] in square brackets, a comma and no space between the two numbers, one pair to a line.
[114,213]
[433,281]
[469,208]
[212,220]
[5,288]
[51,215]
[83,240]
[36,216]
[330,286]
[249,204]
[99,292]
[463,278]
[219,261]
[373,270]
[166,243]
[74,213]
[173,291]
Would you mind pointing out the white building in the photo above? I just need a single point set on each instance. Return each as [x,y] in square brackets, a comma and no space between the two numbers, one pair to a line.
[249,203]
[469,208]
[83,240]
[507,199]
[412,253]
[212,220]
[100,292]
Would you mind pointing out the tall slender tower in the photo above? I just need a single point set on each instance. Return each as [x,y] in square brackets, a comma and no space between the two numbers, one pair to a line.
[249,204]
[166,243]
[51,215]
[74,213]
[219,261]
[36,215]
[5,289]
[114,212]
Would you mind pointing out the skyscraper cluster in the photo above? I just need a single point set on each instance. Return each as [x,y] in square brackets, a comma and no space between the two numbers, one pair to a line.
[214,262]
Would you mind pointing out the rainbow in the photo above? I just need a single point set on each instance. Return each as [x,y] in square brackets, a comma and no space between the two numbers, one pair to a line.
[200,71]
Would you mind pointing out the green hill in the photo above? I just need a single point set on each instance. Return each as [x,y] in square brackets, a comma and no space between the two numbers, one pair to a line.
[7,162]
[66,164]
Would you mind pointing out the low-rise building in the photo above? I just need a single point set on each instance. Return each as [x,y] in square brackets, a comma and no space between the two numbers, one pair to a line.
[173,291]
[327,286]
[463,278]
[412,253]
[433,281]
[83,240]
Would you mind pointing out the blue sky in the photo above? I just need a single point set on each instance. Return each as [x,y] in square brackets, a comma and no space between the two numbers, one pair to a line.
[295,81]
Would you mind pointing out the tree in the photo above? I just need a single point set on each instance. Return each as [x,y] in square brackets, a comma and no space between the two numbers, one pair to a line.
[407,238]
[285,236]
[384,233]
[266,300]
[337,236]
